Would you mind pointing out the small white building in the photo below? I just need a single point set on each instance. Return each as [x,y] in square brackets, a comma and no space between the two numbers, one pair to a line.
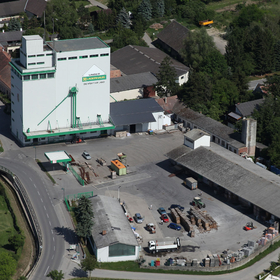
[112,235]
[60,90]
[196,138]
[138,115]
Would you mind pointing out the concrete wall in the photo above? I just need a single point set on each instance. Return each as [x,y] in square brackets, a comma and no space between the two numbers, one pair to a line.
[202,141]
[249,135]
[103,256]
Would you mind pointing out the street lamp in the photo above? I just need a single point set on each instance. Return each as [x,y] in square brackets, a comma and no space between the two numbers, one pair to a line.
[119,193]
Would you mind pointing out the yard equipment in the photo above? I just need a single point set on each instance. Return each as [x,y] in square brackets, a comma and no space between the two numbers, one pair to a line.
[206,22]
[249,226]
[197,201]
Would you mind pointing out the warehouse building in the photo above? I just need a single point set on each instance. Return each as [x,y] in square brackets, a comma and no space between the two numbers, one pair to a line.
[239,180]
[60,90]
[113,238]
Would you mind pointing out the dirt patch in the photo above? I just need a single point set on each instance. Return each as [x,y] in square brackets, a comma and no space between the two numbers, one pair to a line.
[28,252]
[232,7]
[218,40]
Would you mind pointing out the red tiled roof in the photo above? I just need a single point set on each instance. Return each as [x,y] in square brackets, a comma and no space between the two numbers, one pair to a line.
[167,103]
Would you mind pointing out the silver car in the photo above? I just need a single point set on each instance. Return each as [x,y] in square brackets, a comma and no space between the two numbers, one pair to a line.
[138,218]
[86,155]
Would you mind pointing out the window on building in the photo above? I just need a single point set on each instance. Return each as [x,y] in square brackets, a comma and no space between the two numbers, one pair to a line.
[93,55]
[12,76]
[61,58]
[104,54]
[40,54]
[40,62]
[32,63]
[33,55]
[223,143]
[43,76]
[72,57]
[182,77]
[34,77]
[50,75]
[49,54]
[235,151]
[26,77]
[12,85]
[230,148]
[13,120]
[83,56]
[218,141]
[121,250]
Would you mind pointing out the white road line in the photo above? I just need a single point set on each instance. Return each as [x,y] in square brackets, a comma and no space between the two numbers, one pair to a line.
[30,179]
[38,192]
[53,239]
[46,270]
[54,248]
[48,216]
[50,223]
[52,256]
[52,231]
[41,199]
[45,207]
[35,186]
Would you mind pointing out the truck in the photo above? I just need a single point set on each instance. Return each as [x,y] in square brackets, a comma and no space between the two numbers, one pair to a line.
[191,183]
[155,247]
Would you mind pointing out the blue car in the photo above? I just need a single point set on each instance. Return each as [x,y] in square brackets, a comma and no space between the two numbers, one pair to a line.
[161,211]
[174,226]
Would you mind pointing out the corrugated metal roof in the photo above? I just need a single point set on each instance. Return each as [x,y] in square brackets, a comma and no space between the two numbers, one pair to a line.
[238,175]
[134,111]
[234,115]
[247,108]
[11,36]
[109,216]
[10,8]
[132,82]
[195,134]
[137,59]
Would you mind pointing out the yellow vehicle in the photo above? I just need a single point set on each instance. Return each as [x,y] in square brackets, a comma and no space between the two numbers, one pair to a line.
[206,22]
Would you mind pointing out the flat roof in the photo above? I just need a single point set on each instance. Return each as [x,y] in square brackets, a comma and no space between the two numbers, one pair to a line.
[77,44]
[234,173]
[195,134]
[58,156]
[109,216]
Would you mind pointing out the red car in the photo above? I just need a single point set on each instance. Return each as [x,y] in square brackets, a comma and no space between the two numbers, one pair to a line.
[164,218]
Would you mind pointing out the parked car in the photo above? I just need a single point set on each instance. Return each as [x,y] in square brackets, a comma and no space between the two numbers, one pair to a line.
[181,208]
[138,218]
[161,210]
[174,226]
[86,155]
[164,218]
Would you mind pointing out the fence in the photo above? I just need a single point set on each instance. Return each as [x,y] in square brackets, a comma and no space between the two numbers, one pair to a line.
[78,177]
[71,197]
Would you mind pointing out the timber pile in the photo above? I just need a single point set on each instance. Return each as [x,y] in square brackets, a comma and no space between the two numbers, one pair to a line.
[174,215]
[202,219]
[185,222]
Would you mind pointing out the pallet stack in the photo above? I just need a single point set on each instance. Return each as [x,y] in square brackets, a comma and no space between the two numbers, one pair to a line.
[202,219]
[174,215]
[186,223]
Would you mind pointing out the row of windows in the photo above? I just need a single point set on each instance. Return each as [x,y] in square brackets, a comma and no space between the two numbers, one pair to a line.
[34,63]
[38,55]
[38,76]
[82,56]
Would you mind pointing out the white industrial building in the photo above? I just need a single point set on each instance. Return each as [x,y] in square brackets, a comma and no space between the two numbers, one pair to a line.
[113,238]
[60,90]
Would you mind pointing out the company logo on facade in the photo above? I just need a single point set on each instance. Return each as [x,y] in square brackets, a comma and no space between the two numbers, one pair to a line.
[94,74]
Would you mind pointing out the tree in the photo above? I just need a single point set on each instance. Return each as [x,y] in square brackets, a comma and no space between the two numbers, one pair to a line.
[197,46]
[8,266]
[277,55]
[166,85]
[22,278]
[101,21]
[123,18]
[84,216]
[89,264]
[56,275]
[14,24]
[84,14]
[17,241]
[145,9]
[157,8]
[90,28]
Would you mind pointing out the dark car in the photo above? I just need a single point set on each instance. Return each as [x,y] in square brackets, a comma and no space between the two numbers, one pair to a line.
[174,226]
[181,208]
[161,210]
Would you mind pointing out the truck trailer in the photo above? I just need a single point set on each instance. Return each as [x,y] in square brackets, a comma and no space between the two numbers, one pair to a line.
[164,246]
[191,183]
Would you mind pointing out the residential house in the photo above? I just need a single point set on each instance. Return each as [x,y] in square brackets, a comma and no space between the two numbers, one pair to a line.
[11,8]
[35,8]
[11,40]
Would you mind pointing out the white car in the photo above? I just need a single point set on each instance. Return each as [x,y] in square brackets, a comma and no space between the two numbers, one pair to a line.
[86,155]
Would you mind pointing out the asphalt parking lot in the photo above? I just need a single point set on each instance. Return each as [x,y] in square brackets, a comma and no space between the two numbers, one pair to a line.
[146,184]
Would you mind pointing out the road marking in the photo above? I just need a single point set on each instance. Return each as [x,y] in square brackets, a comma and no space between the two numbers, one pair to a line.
[47,270]
[35,186]
[53,239]
[50,223]
[54,248]
[41,199]
[52,256]
[45,207]
[52,231]
[38,192]
[31,179]
[48,216]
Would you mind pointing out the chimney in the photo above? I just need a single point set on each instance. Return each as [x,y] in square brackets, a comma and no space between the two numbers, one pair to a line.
[249,135]
[104,232]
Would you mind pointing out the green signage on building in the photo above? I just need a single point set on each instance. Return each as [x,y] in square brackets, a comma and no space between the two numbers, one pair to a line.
[94,78]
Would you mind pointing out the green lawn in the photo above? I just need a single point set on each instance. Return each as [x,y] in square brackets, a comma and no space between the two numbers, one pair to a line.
[6,223]
[223,4]
[79,3]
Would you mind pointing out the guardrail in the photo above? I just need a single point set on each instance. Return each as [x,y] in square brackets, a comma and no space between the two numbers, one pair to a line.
[28,211]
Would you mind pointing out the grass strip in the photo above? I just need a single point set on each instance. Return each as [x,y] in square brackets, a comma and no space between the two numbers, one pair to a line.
[44,169]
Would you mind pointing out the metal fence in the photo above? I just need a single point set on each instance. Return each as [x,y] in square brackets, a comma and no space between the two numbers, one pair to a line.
[78,177]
